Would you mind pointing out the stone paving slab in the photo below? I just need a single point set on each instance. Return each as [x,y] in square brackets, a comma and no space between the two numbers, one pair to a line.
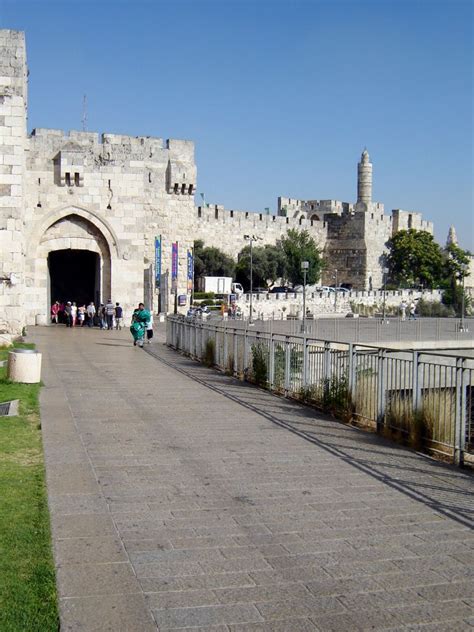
[182,499]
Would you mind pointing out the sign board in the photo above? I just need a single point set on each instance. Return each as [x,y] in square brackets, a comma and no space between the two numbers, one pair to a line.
[190,271]
[174,267]
[182,300]
[157,261]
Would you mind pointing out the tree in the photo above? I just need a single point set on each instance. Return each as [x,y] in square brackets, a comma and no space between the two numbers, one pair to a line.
[415,259]
[299,246]
[456,268]
[259,267]
[210,261]
[456,262]
[268,264]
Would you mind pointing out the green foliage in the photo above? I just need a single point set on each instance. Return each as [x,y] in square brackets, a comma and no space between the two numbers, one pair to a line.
[207,301]
[456,266]
[433,309]
[453,300]
[268,265]
[299,246]
[259,363]
[456,262]
[209,353]
[203,295]
[210,261]
[27,579]
[415,259]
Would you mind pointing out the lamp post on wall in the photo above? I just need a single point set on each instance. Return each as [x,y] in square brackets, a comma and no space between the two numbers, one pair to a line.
[304,267]
[251,239]
[385,271]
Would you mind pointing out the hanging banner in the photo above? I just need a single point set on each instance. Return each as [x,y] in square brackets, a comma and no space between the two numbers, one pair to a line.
[157,261]
[190,271]
[174,267]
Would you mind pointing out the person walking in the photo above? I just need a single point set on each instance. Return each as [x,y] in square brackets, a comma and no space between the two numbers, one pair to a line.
[109,314]
[101,315]
[55,312]
[68,314]
[90,314]
[118,316]
[412,311]
[81,315]
[403,310]
[140,319]
[149,329]
[73,314]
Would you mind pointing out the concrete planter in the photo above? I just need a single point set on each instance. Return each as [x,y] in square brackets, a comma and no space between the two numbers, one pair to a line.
[24,365]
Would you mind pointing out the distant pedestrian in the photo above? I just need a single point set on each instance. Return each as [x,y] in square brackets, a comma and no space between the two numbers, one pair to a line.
[109,314]
[118,316]
[90,314]
[55,312]
[101,314]
[403,310]
[68,314]
[73,314]
[412,311]
[81,315]
[149,329]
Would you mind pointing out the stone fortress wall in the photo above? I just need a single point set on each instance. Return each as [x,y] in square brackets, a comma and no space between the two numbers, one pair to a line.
[113,194]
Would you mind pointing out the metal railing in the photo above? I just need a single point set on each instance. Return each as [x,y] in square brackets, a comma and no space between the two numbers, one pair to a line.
[421,397]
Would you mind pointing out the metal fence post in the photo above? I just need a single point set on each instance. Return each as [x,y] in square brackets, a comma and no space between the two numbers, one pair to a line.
[287,365]
[271,364]
[236,350]
[305,360]
[352,352]
[226,350]
[380,389]
[460,413]
[246,352]
[416,384]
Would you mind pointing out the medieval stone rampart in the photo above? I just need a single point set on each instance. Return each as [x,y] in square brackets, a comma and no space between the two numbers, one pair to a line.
[111,195]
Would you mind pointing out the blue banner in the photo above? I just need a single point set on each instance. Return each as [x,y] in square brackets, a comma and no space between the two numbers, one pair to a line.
[174,267]
[157,261]
[190,271]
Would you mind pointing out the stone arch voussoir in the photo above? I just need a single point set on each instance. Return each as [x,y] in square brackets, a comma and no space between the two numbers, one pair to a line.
[92,217]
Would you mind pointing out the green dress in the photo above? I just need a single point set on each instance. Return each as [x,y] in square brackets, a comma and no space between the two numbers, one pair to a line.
[140,319]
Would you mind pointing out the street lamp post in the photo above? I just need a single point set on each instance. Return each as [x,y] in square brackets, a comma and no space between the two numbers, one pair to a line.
[304,267]
[251,239]
[385,272]
[335,291]
[463,305]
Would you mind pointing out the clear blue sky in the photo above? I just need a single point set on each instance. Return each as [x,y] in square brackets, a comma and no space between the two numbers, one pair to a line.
[279,96]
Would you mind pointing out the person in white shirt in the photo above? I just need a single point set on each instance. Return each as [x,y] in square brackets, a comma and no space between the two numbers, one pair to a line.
[90,314]
[149,329]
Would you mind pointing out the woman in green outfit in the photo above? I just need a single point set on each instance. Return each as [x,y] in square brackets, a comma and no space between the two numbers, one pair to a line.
[140,319]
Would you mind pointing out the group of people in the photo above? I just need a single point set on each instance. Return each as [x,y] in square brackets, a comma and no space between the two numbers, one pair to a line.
[108,316]
[411,310]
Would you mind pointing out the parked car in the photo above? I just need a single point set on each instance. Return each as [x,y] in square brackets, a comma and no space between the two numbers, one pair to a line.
[326,288]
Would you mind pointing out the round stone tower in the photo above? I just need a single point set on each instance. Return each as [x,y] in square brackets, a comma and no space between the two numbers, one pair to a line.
[364,179]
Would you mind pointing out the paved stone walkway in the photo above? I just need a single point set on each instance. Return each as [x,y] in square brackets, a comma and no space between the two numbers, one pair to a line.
[183,499]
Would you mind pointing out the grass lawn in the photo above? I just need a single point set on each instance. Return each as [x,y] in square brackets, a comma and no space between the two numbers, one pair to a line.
[28,600]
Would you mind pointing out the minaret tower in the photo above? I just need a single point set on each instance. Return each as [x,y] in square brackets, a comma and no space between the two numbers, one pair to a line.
[452,237]
[364,180]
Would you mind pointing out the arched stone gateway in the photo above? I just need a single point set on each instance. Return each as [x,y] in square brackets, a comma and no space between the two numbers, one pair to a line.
[70,259]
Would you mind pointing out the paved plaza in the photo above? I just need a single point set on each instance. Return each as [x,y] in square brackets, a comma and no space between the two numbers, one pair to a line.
[182,499]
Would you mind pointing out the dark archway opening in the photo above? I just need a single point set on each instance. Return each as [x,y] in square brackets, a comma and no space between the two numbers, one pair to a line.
[74,276]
